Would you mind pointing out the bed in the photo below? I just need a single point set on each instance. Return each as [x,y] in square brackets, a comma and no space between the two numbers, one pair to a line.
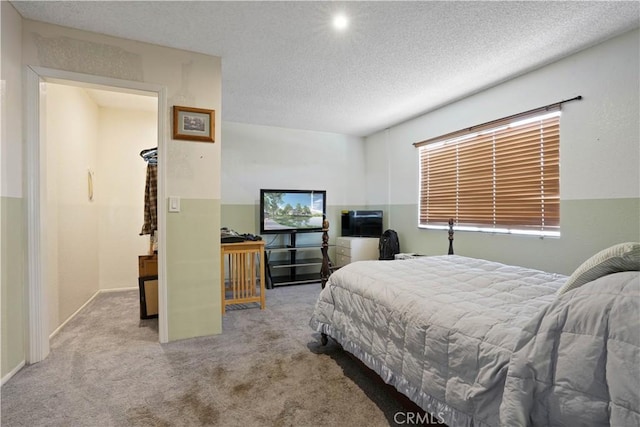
[479,343]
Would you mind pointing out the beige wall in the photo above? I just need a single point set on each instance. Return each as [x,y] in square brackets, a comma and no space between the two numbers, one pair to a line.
[72,219]
[119,192]
[93,244]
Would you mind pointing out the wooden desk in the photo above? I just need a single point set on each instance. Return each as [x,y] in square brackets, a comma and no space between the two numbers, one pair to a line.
[246,273]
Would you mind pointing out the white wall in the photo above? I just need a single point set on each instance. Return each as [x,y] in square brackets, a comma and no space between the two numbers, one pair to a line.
[119,192]
[600,157]
[257,157]
[594,131]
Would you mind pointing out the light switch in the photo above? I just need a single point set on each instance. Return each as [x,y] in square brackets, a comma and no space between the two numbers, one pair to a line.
[174,204]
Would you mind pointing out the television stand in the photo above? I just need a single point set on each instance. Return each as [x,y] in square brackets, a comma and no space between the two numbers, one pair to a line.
[292,263]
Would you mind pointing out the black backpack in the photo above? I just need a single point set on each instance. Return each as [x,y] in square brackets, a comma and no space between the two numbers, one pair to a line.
[389,245]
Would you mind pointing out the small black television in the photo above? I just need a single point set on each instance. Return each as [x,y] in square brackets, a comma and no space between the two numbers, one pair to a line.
[292,211]
[362,223]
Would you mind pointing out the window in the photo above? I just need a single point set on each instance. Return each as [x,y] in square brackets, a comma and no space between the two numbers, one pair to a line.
[501,177]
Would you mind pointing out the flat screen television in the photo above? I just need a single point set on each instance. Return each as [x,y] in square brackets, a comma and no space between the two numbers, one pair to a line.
[292,211]
[362,223]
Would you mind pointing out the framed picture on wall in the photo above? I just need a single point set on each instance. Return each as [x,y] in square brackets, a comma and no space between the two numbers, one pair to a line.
[193,124]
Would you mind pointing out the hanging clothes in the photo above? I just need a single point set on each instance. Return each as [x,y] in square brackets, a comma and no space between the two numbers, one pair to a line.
[151,200]
[150,155]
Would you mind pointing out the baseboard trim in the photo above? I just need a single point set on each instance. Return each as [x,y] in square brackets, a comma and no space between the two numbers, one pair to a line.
[106,291]
[54,333]
[13,372]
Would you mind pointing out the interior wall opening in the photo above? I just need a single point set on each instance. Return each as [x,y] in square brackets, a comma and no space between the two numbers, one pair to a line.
[95,193]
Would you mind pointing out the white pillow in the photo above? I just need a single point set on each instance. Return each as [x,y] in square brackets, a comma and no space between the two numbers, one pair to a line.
[621,257]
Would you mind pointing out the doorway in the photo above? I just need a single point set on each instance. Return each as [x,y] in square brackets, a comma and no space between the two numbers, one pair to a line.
[95,181]
[80,205]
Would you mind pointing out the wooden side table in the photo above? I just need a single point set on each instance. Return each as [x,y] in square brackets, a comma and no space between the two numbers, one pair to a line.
[246,273]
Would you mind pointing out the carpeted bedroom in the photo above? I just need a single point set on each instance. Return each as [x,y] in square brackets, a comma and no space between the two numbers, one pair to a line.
[106,368]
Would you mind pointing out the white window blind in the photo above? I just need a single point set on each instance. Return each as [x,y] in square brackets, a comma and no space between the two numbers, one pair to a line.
[500,177]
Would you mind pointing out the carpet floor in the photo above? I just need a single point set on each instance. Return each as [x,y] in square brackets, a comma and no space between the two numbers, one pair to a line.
[267,368]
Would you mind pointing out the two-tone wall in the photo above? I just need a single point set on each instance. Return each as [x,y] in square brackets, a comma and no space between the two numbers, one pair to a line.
[600,182]
[599,155]
[255,157]
[12,207]
[600,203]
[192,169]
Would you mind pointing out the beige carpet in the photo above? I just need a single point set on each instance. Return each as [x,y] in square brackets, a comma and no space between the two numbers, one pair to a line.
[106,368]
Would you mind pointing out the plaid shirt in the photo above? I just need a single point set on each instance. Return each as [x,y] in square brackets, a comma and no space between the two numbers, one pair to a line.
[151,201]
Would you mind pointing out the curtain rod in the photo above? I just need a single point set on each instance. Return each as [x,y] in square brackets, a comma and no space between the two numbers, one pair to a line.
[496,122]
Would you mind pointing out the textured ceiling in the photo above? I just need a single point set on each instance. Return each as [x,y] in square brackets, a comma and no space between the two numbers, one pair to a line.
[283,64]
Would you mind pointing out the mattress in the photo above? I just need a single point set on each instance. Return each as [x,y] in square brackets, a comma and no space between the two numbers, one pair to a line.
[479,343]
[440,329]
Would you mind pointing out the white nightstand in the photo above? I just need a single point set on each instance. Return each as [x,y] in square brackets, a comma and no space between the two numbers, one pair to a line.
[350,249]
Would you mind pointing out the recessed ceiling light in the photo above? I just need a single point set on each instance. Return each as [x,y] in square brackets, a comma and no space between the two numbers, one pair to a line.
[340,22]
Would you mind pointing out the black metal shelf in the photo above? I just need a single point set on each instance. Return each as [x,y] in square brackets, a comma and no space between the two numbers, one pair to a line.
[299,279]
[297,270]
[305,262]
[284,248]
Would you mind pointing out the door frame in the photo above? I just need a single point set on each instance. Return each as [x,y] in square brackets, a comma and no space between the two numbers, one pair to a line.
[35,173]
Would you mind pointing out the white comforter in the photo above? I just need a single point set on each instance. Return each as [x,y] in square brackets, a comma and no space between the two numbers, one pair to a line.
[477,343]
[577,363]
[440,329]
